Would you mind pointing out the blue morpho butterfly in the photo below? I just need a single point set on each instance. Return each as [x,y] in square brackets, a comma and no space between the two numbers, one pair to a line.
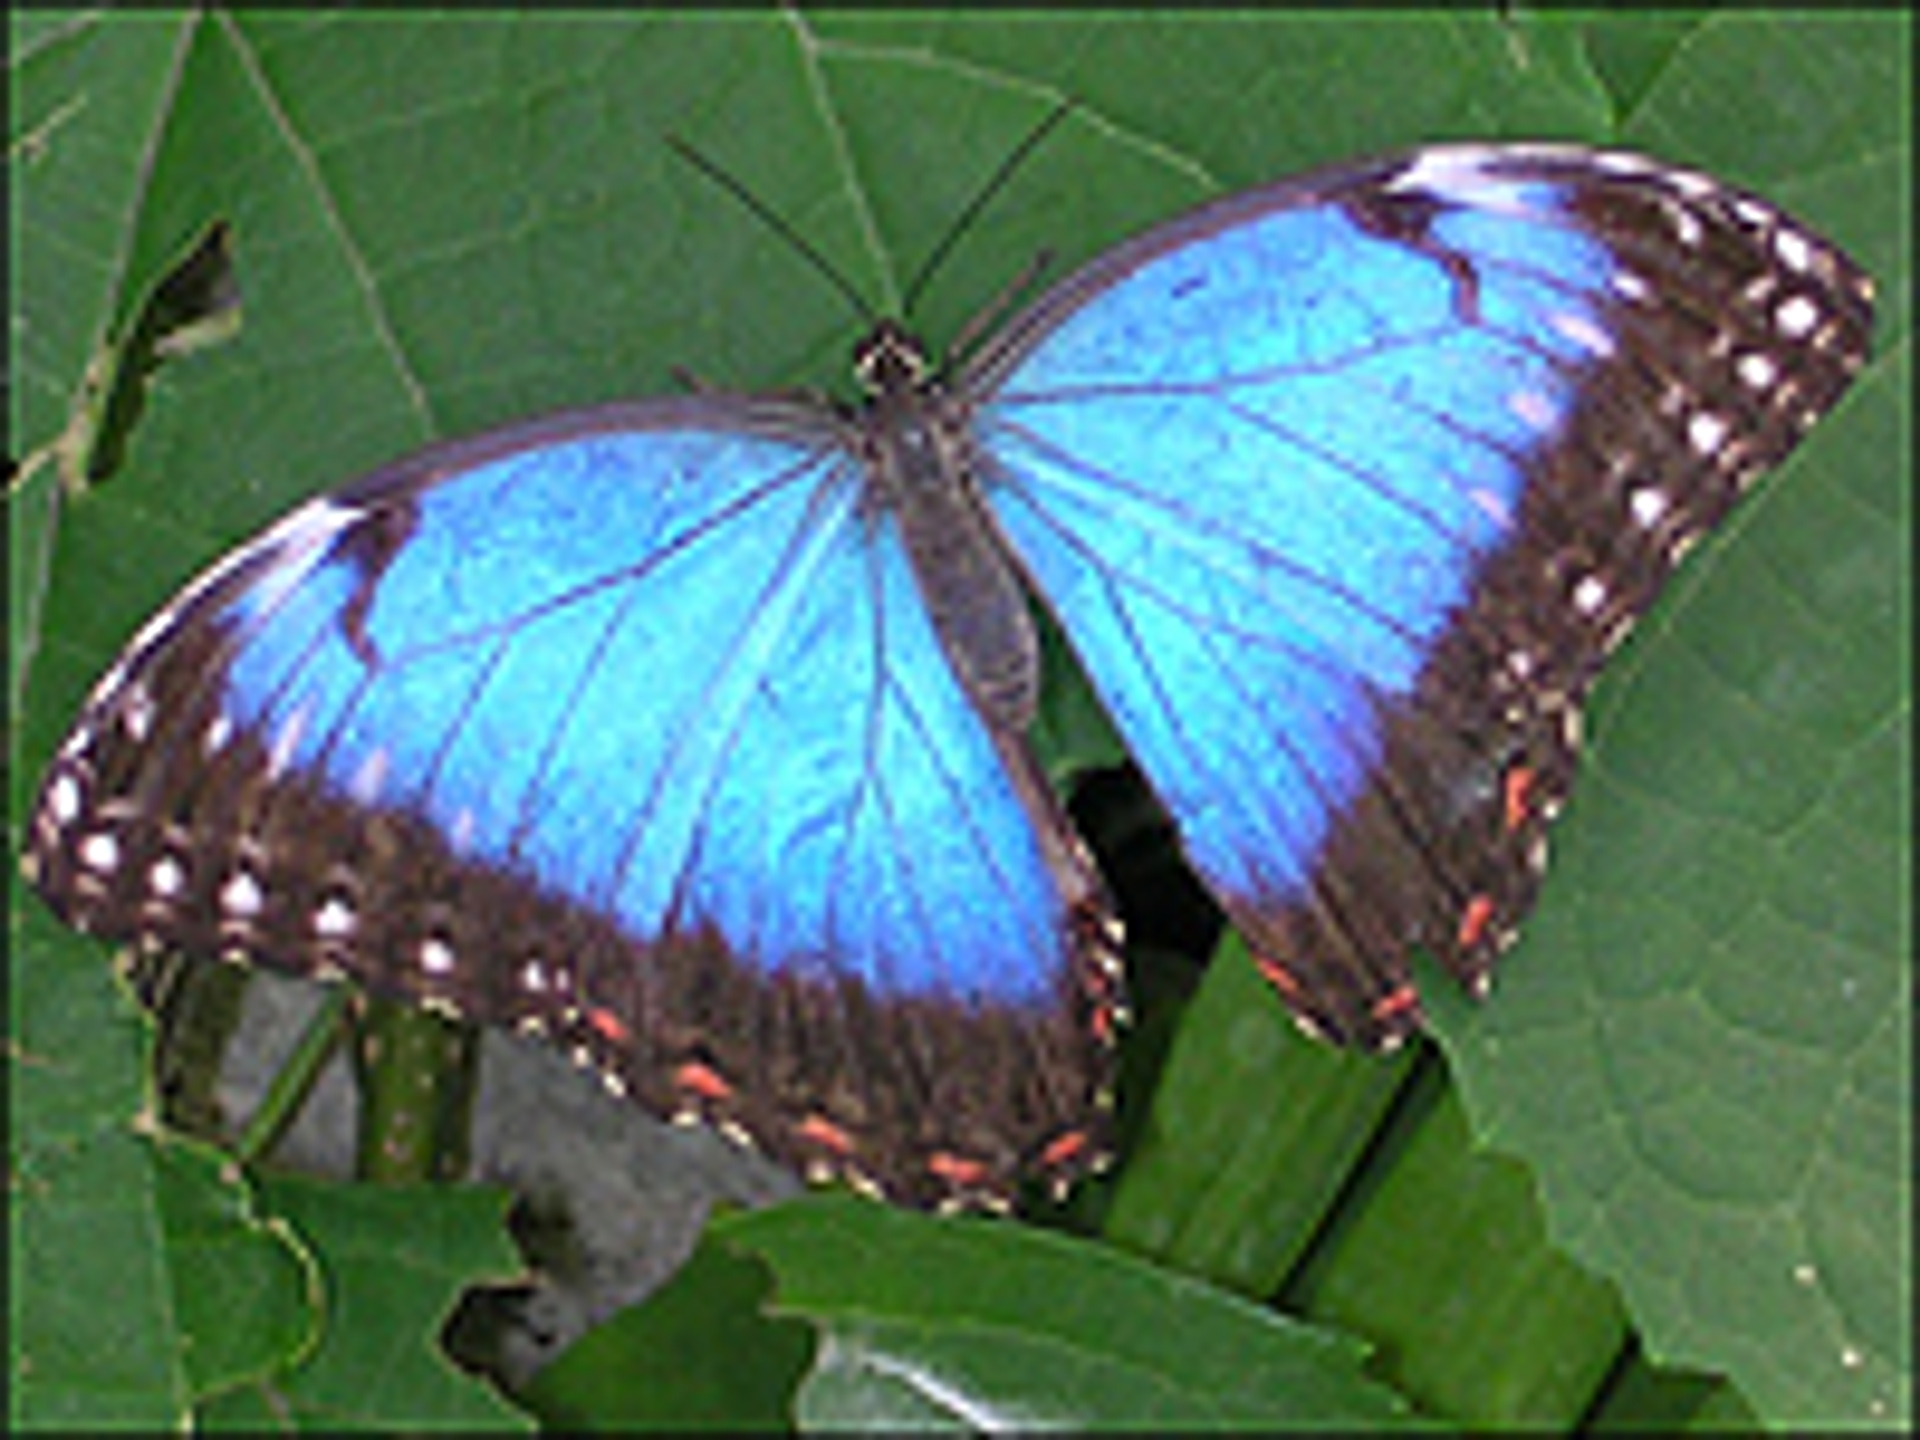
[693,730]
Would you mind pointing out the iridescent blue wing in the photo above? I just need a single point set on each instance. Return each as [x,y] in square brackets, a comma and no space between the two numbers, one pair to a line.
[628,725]
[1343,489]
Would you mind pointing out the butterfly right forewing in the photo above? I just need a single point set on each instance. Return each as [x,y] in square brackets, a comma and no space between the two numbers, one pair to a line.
[1343,490]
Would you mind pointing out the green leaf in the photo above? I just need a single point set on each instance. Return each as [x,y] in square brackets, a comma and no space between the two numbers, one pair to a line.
[1440,1255]
[1236,1191]
[701,1353]
[968,1323]
[392,1262]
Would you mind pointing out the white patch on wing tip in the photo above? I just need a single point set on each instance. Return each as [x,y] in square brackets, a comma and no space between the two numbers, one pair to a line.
[297,544]
[1463,174]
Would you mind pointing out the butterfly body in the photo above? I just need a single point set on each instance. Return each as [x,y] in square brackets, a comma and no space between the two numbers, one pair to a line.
[921,467]
[694,731]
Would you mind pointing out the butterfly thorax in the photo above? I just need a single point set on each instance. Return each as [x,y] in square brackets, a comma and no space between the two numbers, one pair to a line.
[923,472]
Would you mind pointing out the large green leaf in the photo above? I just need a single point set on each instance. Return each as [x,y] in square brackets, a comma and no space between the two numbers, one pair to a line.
[1703,1045]
[442,224]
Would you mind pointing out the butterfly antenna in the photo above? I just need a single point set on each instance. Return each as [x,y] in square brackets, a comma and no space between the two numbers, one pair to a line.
[774,222]
[995,183]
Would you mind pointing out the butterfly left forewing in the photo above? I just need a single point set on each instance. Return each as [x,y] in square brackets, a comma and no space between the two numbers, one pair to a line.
[626,726]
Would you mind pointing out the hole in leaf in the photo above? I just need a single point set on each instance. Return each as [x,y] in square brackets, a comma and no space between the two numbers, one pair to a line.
[195,304]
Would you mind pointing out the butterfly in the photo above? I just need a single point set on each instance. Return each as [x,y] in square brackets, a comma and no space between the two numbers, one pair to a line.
[694,731]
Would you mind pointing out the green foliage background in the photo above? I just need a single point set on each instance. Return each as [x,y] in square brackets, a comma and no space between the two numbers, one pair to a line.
[1698,1067]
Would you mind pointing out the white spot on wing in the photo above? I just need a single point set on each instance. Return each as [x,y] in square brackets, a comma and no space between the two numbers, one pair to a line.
[167,877]
[1706,432]
[333,920]
[136,713]
[370,778]
[436,956]
[1794,251]
[1491,504]
[1589,595]
[241,897]
[1796,317]
[1691,183]
[287,741]
[1648,504]
[1534,410]
[1583,332]
[1686,225]
[109,684]
[63,799]
[100,851]
[1622,162]
[1756,370]
[1629,286]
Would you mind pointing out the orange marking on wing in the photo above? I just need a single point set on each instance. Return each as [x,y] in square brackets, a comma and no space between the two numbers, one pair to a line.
[1064,1149]
[959,1171]
[1518,795]
[607,1025]
[702,1080]
[1474,921]
[1395,1003]
[1101,1022]
[1278,976]
[824,1133]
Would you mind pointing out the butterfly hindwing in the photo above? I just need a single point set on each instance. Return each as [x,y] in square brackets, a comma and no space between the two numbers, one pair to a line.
[629,725]
[1342,490]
